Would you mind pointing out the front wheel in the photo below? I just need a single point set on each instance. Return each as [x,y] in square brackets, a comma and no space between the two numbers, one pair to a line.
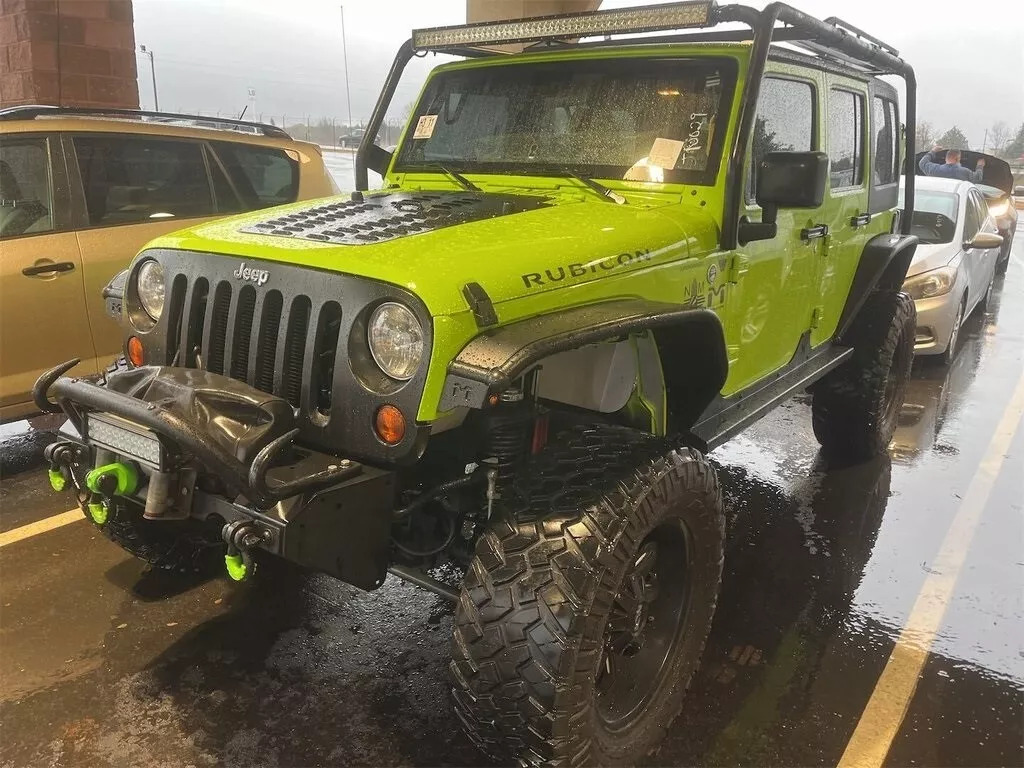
[585,610]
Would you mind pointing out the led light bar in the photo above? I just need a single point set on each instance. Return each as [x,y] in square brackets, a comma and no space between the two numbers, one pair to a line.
[124,438]
[650,18]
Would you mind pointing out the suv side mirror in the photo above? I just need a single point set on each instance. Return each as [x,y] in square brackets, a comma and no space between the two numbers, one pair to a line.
[984,240]
[786,180]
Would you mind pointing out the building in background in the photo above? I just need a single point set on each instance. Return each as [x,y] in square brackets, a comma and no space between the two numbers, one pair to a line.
[68,52]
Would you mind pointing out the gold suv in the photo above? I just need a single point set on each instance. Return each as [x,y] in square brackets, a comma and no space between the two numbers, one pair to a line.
[81,191]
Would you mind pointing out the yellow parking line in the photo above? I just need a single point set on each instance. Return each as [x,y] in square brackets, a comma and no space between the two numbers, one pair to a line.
[40,526]
[885,710]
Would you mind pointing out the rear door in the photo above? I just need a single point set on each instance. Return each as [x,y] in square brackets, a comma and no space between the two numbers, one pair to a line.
[979,262]
[130,189]
[43,317]
[846,210]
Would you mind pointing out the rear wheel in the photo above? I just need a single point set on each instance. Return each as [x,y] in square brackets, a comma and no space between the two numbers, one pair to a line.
[585,609]
[855,408]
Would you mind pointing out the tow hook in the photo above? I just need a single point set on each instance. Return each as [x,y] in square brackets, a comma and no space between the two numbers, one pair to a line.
[240,536]
[116,479]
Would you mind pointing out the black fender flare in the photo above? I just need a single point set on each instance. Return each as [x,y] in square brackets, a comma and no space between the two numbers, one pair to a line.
[690,340]
[883,266]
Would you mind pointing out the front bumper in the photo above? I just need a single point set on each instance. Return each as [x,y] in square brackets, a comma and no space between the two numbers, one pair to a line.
[935,318]
[229,452]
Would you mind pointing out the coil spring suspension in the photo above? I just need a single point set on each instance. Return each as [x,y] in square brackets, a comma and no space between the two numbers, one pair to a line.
[508,432]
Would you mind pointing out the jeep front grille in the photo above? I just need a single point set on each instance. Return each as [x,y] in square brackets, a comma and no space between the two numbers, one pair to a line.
[292,336]
[259,339]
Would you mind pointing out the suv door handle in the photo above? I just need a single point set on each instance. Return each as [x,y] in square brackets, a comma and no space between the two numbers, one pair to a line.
[860,221]
[816,232]
[46,269]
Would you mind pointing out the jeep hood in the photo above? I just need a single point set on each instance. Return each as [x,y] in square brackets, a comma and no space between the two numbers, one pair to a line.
[434,243]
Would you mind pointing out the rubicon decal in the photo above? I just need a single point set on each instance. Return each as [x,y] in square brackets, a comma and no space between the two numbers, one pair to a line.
[573,271]
[253,275]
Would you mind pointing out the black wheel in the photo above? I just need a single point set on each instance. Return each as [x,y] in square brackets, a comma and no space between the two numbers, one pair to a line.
[183,546]
[855,408]
[1004,254]
[586,607]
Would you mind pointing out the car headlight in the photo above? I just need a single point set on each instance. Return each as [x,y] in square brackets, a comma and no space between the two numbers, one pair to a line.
[1000,208]
[395,338]
[936,282]
[151,289]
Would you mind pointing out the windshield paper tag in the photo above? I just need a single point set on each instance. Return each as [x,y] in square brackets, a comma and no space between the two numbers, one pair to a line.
[664,153]
[425,127]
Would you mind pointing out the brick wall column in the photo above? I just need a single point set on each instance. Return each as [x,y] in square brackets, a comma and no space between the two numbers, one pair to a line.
[68,52]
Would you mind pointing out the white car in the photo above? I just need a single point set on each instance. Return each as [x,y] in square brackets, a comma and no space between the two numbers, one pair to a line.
[954,265]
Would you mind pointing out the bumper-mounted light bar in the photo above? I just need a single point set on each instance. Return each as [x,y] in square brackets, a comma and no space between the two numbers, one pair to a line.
[625,21]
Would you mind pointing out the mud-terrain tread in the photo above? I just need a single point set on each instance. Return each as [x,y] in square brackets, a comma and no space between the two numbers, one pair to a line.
[524,615]
[849,403]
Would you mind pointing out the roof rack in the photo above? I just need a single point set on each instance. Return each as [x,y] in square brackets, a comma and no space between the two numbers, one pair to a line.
[32,111]
[832,40]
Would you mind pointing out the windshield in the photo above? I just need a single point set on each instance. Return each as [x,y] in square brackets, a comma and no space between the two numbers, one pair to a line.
[642,119]
[934,220]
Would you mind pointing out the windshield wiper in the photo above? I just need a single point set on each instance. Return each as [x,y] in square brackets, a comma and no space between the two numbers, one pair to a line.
[455,176]
[610,195]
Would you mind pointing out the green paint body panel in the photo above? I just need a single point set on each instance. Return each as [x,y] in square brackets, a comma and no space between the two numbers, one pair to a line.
[764,292]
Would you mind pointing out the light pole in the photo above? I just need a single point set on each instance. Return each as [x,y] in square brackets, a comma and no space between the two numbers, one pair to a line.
[152,72]
[344,53]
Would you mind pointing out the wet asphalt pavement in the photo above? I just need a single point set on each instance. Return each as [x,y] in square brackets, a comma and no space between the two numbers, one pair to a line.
[103,663]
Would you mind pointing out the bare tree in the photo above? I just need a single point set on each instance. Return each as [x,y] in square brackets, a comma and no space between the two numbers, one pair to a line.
[998,136]
[924,136]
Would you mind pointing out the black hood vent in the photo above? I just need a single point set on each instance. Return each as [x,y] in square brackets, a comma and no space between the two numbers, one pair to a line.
[392,215]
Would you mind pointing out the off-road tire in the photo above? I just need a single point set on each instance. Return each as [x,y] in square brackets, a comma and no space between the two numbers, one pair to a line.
[855,408]
[529,626]
[182,546]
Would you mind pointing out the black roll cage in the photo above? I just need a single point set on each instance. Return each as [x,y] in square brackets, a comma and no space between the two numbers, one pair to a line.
[833,40]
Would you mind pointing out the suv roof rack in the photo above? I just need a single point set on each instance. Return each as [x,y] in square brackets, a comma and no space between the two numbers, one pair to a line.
[830,40]
[32,111]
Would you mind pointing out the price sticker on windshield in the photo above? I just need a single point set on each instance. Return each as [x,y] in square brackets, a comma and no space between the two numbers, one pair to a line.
[665,153]
[425,127]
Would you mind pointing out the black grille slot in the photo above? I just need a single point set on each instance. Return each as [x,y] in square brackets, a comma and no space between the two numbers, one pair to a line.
[242,333]
[176,311]
[325,352]
[218,328]
[294,350]
[266,350]
[193,322]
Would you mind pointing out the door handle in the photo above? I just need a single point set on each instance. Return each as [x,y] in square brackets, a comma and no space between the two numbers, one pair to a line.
[46,269]
[816,232]
[860,221]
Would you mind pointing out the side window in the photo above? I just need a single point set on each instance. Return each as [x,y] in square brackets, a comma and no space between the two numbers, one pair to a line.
[845,138]
[974,217]
[885,134]
[129,180]
[26,188]
[263,176]
[784,123]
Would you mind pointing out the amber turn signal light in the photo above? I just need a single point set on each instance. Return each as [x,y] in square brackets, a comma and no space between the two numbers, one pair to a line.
[135,350]
[389,424]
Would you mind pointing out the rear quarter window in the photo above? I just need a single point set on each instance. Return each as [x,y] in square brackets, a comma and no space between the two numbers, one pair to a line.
[262,176]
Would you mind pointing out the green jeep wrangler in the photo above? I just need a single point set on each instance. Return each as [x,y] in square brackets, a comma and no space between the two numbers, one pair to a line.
[591,262]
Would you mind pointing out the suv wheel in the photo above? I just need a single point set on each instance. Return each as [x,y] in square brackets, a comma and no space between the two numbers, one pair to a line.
[856,407]
[585,610]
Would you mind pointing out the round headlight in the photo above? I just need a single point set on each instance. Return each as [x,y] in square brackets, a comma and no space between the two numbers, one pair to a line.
[151,289]
[396,340]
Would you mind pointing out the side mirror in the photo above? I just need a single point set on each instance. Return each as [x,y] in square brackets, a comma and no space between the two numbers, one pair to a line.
[984,240]
[786,180]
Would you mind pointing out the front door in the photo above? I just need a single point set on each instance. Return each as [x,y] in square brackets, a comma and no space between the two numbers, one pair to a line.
[43,316]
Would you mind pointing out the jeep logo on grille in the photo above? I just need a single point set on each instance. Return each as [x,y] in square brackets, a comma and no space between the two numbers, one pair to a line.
[258,276]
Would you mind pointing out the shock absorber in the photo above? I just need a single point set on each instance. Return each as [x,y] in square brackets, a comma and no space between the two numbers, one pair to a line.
[508,430]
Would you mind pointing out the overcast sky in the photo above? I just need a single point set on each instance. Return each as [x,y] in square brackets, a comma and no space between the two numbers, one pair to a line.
[210,52]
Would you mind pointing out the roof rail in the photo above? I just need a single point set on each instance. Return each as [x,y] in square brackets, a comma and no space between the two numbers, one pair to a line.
[32,111]
[835,21]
